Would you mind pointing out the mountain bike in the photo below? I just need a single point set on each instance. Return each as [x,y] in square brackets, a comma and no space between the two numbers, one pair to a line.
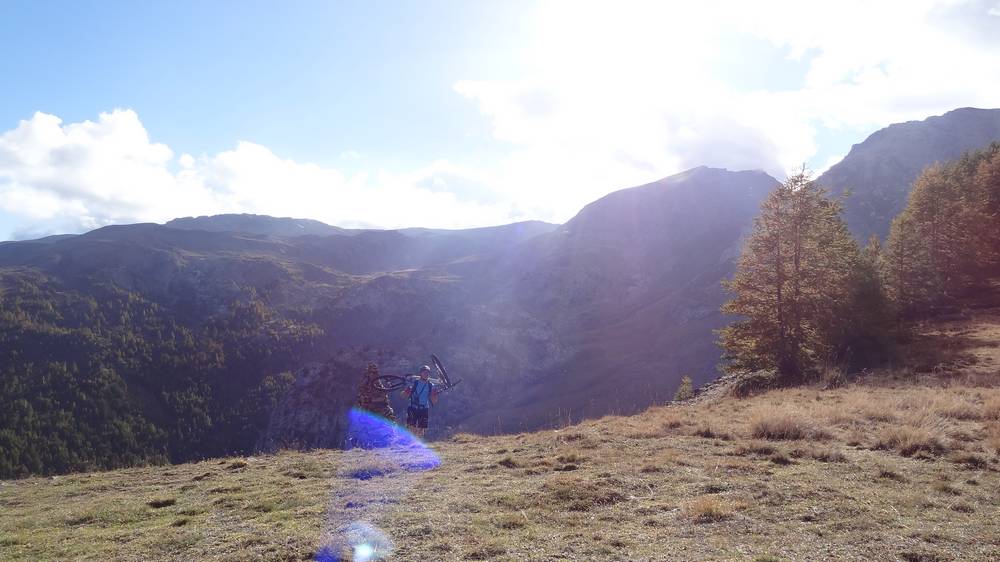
[390,383]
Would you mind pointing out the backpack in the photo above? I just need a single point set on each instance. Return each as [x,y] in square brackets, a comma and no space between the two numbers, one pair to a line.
[414,399]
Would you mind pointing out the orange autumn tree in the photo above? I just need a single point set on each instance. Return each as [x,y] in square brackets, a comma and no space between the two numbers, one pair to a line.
[794,287]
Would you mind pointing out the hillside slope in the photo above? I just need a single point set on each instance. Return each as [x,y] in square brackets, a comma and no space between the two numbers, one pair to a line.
[631,288]
[900,465]
[879,171]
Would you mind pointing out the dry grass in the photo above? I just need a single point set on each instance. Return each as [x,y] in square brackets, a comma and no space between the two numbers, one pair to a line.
[991,409]
[908,440]
[707,509]
[992,441]
[781,425]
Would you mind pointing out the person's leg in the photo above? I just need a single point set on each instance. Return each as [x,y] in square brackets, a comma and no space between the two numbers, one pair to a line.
[422,422]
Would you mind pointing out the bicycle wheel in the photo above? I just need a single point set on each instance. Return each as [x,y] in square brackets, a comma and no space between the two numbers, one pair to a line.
[440,369]
[443,372]
[388,383]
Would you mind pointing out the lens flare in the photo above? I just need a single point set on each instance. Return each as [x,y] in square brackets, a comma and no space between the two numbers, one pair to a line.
[364,541]
[364,552]
[389,441]
[380,476]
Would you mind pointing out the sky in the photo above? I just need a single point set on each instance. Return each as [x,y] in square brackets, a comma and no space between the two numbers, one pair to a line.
[448,114]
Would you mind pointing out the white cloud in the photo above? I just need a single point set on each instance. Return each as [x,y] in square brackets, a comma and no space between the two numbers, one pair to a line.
[78,176]
[626,92]
[829,163]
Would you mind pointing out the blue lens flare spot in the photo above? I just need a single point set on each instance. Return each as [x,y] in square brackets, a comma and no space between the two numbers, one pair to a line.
[390,441]
[327,554]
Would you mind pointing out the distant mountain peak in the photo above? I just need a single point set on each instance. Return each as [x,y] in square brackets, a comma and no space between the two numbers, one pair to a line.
[703,172]
[255,224]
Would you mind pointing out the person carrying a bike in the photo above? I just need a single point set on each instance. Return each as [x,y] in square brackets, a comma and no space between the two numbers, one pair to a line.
[373,398]
[422,395]
[369,432]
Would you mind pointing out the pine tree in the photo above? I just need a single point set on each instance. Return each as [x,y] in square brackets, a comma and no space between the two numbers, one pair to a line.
[868,328]
[986,191]
[942,248]
[793,284]
[685,390]
[911,279]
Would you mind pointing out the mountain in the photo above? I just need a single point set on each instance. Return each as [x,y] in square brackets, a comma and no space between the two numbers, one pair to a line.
[879,171]
[218,335]
[194,328]
[631,288]
[256,224]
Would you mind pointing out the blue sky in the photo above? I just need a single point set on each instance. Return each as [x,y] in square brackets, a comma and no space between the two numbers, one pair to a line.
[309,79]
[446,113]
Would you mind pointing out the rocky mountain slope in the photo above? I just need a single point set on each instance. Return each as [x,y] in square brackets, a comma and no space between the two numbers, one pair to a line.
[630,287]
[879,171]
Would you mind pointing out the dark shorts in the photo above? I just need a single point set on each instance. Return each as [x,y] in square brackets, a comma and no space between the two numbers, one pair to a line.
[416,417]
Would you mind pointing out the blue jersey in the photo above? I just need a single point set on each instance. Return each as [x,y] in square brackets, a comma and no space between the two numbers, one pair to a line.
[420,393]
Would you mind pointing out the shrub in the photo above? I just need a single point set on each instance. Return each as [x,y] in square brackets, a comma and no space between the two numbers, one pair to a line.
[785,426]
[946,488]
[910,440]
[780,458]
[959,409]
[828,455]
[707,432]
[970,460]
[749,384]
[991,409]
[508,462]
[832,378]
[707,509]
[672,422]
[157,503]
[993,444]
[570,458]
[685,391]
[890,474]
[368,472]
[581,495]
[511,521]
[755,448]
[823,455]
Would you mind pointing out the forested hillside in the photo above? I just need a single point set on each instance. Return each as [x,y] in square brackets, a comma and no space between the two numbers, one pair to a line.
[107,378]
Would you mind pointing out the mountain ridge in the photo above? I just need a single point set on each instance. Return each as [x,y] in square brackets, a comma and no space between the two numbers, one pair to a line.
[879,170]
